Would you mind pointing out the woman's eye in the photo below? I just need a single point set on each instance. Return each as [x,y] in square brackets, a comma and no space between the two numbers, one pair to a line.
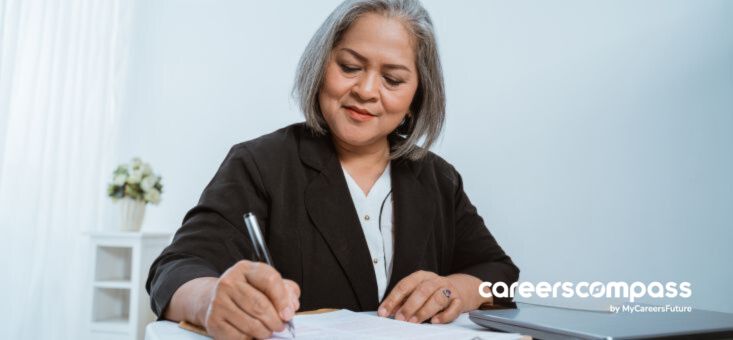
[348,69]
[392,81]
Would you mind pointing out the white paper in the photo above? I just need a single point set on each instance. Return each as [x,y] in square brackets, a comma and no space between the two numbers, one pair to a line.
[345,324]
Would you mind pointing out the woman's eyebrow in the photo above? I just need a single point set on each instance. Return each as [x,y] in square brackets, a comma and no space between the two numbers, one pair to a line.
[364,59]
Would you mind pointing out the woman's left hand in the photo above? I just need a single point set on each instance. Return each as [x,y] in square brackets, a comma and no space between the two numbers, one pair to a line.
[421,296]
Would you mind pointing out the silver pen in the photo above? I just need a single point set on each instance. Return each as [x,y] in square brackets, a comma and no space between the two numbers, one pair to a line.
[260,249]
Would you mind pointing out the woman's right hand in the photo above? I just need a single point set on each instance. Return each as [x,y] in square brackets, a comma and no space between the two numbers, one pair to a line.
[250,299]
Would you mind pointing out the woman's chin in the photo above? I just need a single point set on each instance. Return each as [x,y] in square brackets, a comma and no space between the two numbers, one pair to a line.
[357,137]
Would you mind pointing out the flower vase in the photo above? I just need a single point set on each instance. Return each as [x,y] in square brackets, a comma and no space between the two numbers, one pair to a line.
[131,213]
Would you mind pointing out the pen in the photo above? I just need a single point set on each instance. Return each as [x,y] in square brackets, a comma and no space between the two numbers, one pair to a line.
[260,249]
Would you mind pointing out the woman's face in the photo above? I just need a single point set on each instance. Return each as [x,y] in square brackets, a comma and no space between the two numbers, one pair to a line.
[370,81]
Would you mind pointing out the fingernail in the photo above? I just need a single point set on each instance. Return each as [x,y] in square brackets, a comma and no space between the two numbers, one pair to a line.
[382,312]
[287,313]
[399,316]
[413,319]
[433,320]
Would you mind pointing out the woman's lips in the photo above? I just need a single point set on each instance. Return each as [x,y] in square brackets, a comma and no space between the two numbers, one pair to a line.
[358,115]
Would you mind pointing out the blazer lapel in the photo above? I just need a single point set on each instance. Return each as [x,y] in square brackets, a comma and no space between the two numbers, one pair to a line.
[330,207]
[414,212]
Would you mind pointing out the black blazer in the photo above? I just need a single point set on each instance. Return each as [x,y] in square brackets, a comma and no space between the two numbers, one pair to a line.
[294,183]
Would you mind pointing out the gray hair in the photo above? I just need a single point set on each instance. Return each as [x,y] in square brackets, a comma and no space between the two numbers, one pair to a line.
[428,105]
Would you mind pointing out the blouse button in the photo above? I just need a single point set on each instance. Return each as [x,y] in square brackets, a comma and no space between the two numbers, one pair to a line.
[375,260]
[366,217]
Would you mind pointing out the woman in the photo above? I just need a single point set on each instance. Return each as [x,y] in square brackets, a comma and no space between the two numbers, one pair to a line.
[356,215]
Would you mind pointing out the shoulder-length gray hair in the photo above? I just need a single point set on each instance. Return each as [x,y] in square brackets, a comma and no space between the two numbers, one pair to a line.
[428,106]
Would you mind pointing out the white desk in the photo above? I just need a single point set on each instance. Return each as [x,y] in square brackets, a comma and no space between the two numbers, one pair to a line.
[166,330]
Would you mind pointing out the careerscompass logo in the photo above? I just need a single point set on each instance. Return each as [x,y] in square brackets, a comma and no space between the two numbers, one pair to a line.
[583,289]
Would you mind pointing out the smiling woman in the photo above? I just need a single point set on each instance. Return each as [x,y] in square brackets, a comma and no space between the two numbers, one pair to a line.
[370,82]
[402,42]
[355,213]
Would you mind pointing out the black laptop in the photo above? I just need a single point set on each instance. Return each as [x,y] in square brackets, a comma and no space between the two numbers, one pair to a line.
[545,322]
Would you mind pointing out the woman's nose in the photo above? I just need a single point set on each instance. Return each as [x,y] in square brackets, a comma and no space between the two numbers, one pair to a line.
[367,87]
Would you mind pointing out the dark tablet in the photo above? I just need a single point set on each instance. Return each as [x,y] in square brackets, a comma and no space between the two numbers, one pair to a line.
[544,322]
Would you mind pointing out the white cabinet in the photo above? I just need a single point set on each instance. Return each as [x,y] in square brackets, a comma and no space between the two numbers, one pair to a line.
[119,305]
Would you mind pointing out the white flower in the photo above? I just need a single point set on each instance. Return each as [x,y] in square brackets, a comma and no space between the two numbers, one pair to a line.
[136,163]
[136,175]
[119,180]
[152,196]
[135,180]
[147,170]
[121,169]
[148,182]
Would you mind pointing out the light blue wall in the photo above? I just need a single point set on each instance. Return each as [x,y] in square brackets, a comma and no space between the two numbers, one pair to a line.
[594,137]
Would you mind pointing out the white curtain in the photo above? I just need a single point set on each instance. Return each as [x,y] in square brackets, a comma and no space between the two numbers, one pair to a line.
[62,65]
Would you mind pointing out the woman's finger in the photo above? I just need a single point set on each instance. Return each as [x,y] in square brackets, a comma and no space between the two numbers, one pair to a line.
[253,327]
[449,314]
[295,293]
[440,300]
[225,330]
[400,292]
[258,306]
[226,312]
[417,299]
[268,281]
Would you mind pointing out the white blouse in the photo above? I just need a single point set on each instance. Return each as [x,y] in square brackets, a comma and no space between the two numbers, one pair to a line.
[375,216]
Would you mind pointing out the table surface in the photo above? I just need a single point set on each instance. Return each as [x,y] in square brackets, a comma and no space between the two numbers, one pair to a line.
[165,330]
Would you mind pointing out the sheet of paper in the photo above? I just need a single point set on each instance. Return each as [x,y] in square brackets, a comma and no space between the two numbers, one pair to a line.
[345,324]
